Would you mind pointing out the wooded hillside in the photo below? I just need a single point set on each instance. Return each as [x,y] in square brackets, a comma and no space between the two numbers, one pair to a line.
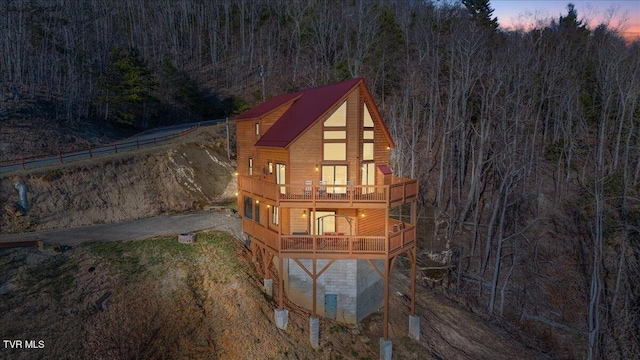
[527,142]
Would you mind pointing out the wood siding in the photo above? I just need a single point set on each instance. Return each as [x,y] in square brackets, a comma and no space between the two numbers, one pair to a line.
[373,222]
[298,222]
[274,155]
[245,133]
[306,153]
[285,224]
[304,159]
[342,225]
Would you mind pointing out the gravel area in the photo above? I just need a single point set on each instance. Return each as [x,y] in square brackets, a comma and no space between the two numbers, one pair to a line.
[136,229]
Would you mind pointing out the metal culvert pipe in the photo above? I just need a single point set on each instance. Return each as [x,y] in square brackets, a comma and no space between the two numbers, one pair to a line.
[22,192]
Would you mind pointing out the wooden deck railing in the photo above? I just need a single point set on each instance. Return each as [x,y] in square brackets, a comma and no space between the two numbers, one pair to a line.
[402,238]
[318,244]
[266,236]
[399,192]
[321,245]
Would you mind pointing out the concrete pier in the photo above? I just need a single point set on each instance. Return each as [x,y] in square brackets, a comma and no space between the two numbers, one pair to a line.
[268,287]
[314,332]
[414,327]
[282,318]
[385,349]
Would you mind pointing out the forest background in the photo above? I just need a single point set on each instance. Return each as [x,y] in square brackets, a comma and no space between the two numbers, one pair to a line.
[526,142]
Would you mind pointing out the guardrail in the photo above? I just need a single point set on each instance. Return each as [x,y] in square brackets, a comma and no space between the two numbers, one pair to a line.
[30,162]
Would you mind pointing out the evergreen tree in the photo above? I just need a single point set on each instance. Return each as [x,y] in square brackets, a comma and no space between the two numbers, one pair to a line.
[481,12]
[129,85]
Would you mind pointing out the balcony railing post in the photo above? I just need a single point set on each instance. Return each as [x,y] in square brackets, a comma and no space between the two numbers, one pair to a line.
[386,244]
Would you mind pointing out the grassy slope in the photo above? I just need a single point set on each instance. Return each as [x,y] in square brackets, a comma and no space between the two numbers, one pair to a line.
[167,300]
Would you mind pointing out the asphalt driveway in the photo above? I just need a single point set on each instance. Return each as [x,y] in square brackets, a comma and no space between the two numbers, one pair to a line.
[135,229]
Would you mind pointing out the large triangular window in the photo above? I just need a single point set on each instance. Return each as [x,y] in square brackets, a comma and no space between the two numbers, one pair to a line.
[335,135]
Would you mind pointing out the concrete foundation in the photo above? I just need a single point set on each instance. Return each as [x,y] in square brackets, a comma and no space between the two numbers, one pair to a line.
[357,287]
[385,349]
[314,332]
[282,318]
[268,287]
[414,327]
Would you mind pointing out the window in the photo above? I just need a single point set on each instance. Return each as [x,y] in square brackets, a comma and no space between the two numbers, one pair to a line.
[270,167]
[275,215]
[250,166]
[335,175]
[257,213]
[367,134]
[335,135]
[368,121]
[367,151]
[368,176]
[335,151]
[338,118]
[248,207]
[281,177]
[257,128]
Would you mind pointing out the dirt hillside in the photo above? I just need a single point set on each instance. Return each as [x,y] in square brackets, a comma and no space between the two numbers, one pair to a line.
[157,298]
[188,174]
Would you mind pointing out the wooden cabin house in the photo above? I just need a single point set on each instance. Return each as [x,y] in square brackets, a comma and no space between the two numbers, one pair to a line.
[316,195]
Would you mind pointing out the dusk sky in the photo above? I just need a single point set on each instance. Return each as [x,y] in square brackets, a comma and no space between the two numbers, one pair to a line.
[512,13]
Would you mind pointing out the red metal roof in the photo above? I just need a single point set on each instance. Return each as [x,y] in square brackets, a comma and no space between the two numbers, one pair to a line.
[308,106]
[385,169]
[267,106]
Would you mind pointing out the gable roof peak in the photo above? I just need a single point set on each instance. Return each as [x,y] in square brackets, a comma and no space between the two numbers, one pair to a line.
[306,108]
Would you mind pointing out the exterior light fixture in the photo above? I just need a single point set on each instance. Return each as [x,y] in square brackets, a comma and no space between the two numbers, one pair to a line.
[236,193]
[388,147]
[304,213]
[268,206]
[317,169]
[257,201]
[235,173]
[361,214]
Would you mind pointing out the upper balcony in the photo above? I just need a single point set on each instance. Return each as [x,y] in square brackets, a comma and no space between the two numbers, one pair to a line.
[400,191]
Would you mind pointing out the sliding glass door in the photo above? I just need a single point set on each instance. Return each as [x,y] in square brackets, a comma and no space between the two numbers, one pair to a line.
[335,175]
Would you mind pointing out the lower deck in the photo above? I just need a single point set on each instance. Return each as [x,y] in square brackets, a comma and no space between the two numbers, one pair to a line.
[334,245]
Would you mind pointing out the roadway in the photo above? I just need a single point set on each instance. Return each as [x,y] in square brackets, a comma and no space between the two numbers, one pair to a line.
[139,141]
